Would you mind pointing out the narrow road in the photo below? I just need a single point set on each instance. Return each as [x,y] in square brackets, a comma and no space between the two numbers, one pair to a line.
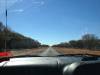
[49,52]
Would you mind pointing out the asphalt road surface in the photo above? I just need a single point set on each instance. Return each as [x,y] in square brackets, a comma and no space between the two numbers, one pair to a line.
[49,52]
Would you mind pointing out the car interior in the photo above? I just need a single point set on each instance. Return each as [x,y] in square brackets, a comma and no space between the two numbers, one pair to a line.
[48,66]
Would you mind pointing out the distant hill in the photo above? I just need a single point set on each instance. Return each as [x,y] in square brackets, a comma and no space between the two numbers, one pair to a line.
[15,40]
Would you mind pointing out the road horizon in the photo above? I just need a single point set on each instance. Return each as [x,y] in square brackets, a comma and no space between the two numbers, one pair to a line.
[50,51]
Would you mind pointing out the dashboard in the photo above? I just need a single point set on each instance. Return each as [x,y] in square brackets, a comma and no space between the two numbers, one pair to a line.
[49,66]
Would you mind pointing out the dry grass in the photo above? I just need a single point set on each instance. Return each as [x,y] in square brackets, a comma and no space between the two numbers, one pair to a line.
[77,51]
[33,51]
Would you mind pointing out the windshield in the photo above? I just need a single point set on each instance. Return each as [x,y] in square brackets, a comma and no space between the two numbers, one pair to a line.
[49,27]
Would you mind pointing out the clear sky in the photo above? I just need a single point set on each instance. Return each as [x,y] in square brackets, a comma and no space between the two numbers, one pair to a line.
[53,21]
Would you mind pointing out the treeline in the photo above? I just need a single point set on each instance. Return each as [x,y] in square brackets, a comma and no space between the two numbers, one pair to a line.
[13,40]
[44,45]
[87,41]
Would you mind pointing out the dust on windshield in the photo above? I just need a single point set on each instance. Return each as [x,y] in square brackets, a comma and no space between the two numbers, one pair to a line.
[49,27]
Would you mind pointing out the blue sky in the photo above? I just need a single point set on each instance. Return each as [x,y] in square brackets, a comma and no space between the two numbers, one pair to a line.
[53,21]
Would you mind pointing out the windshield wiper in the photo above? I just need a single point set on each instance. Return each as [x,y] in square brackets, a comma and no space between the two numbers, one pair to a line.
[87,55]
[89,58]
[4,59]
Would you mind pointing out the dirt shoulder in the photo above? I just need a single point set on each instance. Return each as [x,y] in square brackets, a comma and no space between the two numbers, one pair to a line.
[76,51]
[33,51]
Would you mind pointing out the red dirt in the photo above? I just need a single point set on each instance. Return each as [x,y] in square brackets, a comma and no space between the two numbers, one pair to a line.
[19,52]
[4,54]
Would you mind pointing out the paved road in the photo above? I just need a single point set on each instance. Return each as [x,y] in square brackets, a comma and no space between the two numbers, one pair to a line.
[49,52]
